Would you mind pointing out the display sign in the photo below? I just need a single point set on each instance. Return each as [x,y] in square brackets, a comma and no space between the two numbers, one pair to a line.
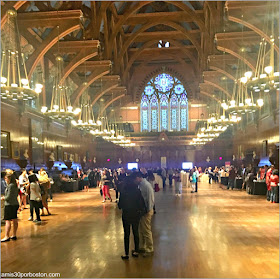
[187,165]
[163,162]
[131,166]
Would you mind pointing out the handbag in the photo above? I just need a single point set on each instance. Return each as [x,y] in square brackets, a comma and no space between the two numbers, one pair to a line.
[156,187]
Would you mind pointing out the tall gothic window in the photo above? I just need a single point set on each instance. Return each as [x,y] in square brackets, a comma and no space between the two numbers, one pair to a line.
[164,105]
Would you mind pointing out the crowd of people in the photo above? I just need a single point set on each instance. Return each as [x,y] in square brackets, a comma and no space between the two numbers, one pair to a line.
[134,194]
[15,190]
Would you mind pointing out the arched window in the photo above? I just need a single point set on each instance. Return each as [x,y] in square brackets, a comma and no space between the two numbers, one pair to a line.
[164,105]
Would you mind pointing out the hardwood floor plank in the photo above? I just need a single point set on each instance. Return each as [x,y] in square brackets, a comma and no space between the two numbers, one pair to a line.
[214,233]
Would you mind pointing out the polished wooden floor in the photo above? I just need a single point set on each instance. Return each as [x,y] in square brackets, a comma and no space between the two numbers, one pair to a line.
[214,233]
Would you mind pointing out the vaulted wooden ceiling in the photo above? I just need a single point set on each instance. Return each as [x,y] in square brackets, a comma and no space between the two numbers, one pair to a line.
[110,47]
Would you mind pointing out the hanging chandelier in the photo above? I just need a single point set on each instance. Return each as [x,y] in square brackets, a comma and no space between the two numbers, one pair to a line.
[14,80]
[266,75]
[102,129]
[220,123]
[86,118]
[242,101]
[60,108]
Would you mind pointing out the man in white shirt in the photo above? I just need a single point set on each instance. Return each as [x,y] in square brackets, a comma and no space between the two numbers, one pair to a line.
[145,230]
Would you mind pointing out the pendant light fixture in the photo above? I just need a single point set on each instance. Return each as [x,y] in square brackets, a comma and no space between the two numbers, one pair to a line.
[14,79]
[86,118]
[266,75]
[61,107]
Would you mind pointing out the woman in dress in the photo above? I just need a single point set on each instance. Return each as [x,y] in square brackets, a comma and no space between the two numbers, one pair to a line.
[11,207]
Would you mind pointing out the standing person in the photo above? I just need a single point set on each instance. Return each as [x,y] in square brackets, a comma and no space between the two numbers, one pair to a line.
[115,183]
[231,178]
[11,207]
[163,175]
[133,206]
[44,185]
[35,198]
[145,230]
[197,177]
[106,185]
[121,179]
[274,181]
[267,180]
[216,174]
[23,184]
[85,182]
[3,188]
[170,175]
[194,180]
[210,175]
[178,184]
[91,178]
[151,178]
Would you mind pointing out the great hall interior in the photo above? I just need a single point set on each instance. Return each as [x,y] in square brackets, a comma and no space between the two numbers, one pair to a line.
[174,88]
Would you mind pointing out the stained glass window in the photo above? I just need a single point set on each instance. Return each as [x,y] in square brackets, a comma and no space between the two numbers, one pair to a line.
[164,105]
[174,112]
[184,112]
[145,114]
[154,113]
[163,112]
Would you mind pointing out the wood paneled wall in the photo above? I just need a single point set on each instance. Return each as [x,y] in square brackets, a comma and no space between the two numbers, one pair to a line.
[53,134]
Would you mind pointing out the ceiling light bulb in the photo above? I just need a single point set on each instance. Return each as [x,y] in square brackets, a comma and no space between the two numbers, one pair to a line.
[268,69]
[232,103]
[39,85]
[56,107]
[260,102]
[263,76]
[24,81]
[44,109]
[248,101]
[3,80]
[276,74]
[248,74]
[98,122]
